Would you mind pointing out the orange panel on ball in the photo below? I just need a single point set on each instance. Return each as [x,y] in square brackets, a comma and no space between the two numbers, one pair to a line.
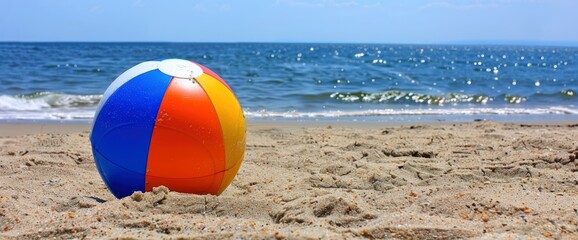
[187,152]
[229,176]
[200,185]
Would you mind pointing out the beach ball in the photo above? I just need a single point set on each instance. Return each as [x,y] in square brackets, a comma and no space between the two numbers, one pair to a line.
[169,122]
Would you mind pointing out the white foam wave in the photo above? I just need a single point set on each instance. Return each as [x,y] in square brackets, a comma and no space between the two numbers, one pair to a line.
[48,115]
[57,106]
[46,100]
[399,112]
[48,105]
[13,103]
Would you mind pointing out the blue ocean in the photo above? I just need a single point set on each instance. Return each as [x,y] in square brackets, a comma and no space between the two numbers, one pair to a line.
[308,81]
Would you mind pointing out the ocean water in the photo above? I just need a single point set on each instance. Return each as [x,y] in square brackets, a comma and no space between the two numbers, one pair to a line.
[301,81]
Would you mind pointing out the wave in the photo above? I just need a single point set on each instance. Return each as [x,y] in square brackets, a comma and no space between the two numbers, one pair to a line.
[46,100]
[48,106]
[61,106]
[400,112]
[410,97]
[441,99]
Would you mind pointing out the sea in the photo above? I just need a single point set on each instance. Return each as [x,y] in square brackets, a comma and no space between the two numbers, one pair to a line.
[64,81]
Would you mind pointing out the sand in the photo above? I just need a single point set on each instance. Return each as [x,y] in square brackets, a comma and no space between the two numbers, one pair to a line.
[477,180]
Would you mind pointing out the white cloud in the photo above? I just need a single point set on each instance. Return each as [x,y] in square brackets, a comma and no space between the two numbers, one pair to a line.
[225,8]
[200,7]
[460,5]
[475,4]
[325,3]
[136,3]
[95,9]
[208,7]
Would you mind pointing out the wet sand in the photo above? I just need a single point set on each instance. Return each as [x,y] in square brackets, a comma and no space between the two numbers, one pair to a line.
[311,180]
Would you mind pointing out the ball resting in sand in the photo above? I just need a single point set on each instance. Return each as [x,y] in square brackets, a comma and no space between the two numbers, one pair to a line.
[170,122]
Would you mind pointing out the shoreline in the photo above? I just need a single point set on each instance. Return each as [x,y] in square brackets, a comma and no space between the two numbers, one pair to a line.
[18,128]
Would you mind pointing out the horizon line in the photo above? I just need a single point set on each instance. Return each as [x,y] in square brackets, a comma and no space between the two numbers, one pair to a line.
[444,43]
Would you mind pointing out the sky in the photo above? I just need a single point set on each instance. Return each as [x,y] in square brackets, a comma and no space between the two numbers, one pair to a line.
[341,21]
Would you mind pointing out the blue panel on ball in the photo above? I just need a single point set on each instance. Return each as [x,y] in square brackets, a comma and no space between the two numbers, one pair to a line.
[122,131]
[120,181]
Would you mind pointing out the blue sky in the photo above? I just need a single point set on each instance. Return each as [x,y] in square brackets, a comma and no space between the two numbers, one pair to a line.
[356,21]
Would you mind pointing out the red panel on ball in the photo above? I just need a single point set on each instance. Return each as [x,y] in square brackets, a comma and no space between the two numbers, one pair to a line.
[187,151]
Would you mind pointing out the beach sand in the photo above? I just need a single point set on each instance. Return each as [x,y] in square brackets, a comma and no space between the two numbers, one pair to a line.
[481,179]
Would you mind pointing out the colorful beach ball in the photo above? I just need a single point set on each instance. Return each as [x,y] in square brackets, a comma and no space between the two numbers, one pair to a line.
[170,122]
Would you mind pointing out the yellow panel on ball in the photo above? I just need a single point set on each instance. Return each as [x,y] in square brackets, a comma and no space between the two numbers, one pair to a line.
[232,121]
